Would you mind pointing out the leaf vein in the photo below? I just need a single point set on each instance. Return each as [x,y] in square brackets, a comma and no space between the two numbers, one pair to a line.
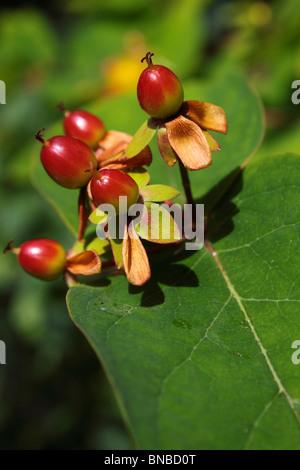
[238,299]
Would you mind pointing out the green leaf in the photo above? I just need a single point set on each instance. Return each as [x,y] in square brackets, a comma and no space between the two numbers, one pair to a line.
[141,138]
[201,356]
[140,176]
[139,141]
[116,246]
[98,216]
[100,245]
[213,144]
[34,32]
[158,192]
[157,225]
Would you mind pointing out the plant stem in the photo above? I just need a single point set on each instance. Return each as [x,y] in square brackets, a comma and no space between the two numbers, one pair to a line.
[82,213]
[186,183]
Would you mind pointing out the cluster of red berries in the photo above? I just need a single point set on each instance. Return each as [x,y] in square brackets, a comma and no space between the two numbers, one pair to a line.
[96,161]
[70,160]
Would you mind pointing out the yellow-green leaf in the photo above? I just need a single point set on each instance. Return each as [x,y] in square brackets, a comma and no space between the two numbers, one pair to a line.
[158,192]
[157,225]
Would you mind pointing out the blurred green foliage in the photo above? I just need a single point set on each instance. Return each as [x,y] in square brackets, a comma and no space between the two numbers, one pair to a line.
[52,393]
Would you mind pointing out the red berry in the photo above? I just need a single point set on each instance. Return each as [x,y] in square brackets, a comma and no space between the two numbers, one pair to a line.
[42,258]
[108,185]
[83,125]
[67,160]
[159,91]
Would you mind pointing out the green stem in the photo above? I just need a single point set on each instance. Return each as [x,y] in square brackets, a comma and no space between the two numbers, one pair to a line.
[186,184]
[83,214]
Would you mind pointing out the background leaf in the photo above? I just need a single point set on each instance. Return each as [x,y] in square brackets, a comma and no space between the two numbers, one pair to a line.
[206,343]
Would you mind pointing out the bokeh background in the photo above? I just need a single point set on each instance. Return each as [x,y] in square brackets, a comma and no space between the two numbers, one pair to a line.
[53,393]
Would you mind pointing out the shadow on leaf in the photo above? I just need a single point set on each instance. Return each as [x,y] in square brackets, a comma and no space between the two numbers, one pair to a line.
[96,282]
[166,268]
[171,275]
[221,210]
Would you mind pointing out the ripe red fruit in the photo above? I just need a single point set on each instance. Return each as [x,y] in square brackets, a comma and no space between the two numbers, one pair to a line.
[83,125]
[159,91]
[67,160]
[108,185]
[42,258]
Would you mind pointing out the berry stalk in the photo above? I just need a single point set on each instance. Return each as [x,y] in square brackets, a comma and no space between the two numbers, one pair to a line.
[186,183]
[83,214]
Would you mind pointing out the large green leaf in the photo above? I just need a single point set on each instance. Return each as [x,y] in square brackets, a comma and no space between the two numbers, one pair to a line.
[245,129]
[200,357]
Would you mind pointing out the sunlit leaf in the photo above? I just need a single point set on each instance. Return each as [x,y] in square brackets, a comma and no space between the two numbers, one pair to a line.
[141,138]
[157,225]
[116,246]
[140,176]
[99,245]
[213,144]
[97,216]
[158,192]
